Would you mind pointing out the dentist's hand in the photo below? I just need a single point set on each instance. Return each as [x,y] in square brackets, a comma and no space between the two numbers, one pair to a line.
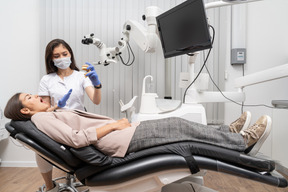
[62,102]
[91,73]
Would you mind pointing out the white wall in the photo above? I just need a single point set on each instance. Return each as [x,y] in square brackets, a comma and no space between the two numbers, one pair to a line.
[19,48]
[267,46]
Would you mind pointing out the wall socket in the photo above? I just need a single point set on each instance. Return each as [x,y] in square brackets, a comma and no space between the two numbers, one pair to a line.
[238,56]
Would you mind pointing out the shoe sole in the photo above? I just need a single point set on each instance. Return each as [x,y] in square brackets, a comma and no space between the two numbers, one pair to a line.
[247,122]
[263,138]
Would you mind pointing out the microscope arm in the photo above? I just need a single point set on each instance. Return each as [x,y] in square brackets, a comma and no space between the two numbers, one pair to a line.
[145,38]
[196,96]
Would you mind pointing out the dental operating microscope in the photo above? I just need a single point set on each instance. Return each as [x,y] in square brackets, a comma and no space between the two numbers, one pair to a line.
[145,38]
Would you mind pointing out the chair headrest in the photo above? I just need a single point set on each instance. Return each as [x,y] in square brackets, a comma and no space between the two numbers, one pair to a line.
[29,129]
[11,130]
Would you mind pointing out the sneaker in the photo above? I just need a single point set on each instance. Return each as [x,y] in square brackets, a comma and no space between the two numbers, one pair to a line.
[241,123]
[257,134]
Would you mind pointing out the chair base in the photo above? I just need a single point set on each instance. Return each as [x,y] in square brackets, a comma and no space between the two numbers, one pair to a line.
[70,184]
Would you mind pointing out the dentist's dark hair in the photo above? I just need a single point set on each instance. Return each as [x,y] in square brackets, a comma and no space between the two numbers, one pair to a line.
[50,67]
[13,107]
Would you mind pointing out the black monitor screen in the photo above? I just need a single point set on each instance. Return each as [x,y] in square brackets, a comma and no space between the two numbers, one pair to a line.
[184,29]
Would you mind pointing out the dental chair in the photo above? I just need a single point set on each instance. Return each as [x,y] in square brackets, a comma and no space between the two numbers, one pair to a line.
[146,170]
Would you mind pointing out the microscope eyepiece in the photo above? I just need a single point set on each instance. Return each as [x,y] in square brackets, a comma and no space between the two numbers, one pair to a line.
[87,41]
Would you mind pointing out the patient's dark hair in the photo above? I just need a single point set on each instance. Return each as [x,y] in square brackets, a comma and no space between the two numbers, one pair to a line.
[13,107]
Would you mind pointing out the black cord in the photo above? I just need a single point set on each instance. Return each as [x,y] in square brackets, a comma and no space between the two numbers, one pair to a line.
[129,49]
[193,187]
[205,61]
[243,74]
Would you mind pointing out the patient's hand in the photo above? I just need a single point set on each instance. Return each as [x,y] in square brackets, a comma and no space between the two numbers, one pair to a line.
[118,125]
[121,124]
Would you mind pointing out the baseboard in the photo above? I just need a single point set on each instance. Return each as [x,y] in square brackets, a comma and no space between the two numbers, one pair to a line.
[18,164]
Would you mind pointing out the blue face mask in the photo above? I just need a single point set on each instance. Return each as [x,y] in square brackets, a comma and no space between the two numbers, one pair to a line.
[62,63]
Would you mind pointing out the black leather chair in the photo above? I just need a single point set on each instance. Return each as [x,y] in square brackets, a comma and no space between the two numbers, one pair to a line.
[150,168]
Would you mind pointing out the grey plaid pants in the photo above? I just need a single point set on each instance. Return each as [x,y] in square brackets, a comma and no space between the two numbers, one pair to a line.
[173,129]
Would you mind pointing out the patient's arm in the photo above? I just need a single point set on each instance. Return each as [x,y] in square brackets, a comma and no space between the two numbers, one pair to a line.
[76,138]
[118,125]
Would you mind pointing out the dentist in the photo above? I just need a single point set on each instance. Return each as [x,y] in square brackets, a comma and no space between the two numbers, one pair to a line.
[64,79]
[63,75]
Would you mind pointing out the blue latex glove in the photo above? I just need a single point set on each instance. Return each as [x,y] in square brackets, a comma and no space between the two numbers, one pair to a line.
[92,75]
[62,102]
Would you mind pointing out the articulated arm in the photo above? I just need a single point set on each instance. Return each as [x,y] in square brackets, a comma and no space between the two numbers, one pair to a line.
[262,76]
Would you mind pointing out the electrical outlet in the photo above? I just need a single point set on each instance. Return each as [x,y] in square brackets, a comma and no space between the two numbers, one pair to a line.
[238,56]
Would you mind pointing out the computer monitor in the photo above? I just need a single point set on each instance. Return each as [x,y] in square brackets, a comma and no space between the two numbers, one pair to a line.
[184,29]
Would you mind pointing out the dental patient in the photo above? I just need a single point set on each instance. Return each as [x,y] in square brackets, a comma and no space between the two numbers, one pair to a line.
[117,138]
[77,129]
